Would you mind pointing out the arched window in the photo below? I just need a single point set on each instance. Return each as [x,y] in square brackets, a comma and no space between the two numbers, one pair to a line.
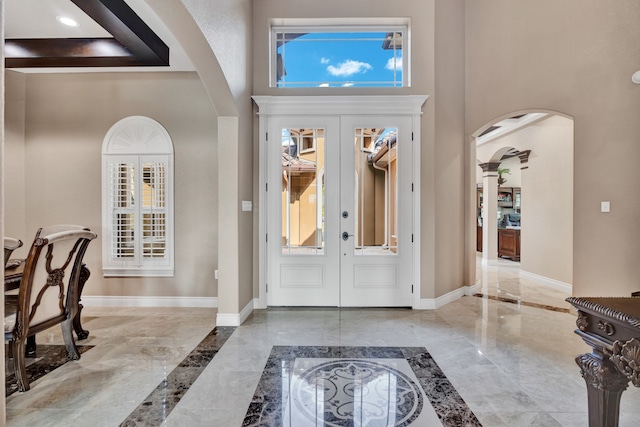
[137,199]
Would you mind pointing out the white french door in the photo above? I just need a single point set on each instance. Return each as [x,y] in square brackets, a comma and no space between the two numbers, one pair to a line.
[303,181]
[339,210]
[376,212]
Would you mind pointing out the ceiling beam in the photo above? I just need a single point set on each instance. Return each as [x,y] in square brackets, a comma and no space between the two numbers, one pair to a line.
[133,43]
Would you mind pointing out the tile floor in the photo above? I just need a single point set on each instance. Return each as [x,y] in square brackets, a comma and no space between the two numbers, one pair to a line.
[506,354]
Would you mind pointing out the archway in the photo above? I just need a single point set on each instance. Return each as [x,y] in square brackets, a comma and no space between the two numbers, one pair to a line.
[537,148]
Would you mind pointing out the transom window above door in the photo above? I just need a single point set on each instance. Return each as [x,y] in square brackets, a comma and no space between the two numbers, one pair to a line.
[316,55]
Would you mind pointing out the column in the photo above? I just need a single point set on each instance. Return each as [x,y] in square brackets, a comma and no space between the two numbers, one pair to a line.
[605,385]
[490,213]
[524,165]
[524,184]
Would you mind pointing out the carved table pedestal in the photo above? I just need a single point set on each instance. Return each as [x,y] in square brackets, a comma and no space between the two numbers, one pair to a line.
[611,326]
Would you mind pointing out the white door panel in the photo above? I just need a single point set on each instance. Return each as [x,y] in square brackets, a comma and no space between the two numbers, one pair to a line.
[302,263]
[339,211]
[376,169]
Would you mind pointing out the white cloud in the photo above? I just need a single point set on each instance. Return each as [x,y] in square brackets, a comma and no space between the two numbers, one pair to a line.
[397,61]
[348,68]
[324,60]
[323,85]
[347,84]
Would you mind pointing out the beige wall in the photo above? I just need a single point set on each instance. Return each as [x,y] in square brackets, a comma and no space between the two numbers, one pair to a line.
[67,117]
[547,194]
[575,57]
[449,153]
[14,172]
[226,25]
[437,70]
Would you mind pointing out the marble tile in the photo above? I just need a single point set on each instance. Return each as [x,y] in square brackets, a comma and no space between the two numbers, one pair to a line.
[519,302]
[156,407]
[512,419]
[273,400]
[205,417]
[47,359]
[511,363]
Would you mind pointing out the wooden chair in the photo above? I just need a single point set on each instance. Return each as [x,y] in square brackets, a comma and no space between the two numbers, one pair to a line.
[48,293]
[10,245]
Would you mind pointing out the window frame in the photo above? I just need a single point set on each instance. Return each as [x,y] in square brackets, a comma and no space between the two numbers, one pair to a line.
[364,25]
[137,141]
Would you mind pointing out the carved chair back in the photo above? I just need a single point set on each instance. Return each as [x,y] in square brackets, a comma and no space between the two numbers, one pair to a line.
[48,293]
[10,245]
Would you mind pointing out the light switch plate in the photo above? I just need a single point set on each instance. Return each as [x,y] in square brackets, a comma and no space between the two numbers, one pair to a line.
[605,206]
[247,205]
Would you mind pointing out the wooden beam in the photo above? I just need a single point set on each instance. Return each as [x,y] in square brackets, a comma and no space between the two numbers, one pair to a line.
[133,43]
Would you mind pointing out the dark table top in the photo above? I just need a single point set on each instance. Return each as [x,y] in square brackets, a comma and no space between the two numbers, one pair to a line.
[13,275]
[623,309]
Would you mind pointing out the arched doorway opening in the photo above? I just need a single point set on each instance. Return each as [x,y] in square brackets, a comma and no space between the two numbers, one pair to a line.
[523,187]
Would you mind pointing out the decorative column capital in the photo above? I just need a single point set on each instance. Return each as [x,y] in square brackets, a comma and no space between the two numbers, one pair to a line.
[601,374]
[524,158]
[490,166]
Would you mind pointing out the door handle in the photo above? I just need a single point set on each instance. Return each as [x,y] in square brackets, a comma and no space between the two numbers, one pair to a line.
[345,236]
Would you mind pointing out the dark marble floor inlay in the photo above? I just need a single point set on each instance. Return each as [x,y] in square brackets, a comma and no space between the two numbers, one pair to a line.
[48,358]
[156,407]
[525,303]
[351,383]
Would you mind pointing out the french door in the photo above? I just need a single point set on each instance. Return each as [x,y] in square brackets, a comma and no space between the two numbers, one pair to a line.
[339,210]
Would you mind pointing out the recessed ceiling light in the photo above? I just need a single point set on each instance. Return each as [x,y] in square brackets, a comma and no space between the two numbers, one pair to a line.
[67,21]
[636,77]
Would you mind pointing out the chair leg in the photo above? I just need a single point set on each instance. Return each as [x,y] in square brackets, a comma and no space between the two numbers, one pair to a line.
[69,340]
[19,363]
[31,346]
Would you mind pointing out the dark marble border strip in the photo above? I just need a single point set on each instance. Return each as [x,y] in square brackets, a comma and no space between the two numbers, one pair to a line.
[48,358]
[525,303]
[266,407]
[156,407]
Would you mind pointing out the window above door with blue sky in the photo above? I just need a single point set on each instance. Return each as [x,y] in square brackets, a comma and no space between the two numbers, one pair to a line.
[315,55]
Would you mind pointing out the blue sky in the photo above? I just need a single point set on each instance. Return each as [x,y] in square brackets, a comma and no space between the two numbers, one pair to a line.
[340,59]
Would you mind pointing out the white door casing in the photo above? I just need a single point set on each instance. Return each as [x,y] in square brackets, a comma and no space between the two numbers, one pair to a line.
[337,272]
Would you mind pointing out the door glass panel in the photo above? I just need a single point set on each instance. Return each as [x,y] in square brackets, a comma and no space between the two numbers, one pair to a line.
[376,199]
[303,190]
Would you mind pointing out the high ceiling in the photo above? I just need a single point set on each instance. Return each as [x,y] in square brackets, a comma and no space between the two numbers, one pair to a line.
[112,35]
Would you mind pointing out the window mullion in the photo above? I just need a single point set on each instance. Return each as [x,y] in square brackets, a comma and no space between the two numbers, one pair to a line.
[137,216]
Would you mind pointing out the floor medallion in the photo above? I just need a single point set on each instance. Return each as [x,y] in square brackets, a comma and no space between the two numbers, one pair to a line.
[355,386]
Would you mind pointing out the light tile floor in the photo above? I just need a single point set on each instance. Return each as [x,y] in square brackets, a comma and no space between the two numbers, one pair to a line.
[513,364]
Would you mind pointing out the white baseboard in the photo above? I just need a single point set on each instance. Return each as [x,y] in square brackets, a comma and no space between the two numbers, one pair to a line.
[133,301]
[435,303]
[234,319]
[556,284]
[257,305]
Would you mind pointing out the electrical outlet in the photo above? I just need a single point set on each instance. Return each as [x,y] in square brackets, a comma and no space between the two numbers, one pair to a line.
[605,206]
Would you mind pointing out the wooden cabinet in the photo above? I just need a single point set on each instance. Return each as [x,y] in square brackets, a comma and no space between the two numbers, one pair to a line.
[509,243]
[509,202]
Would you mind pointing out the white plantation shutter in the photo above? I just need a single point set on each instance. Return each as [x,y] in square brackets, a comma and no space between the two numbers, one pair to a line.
[153,209]
[122,212]
[137,200]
